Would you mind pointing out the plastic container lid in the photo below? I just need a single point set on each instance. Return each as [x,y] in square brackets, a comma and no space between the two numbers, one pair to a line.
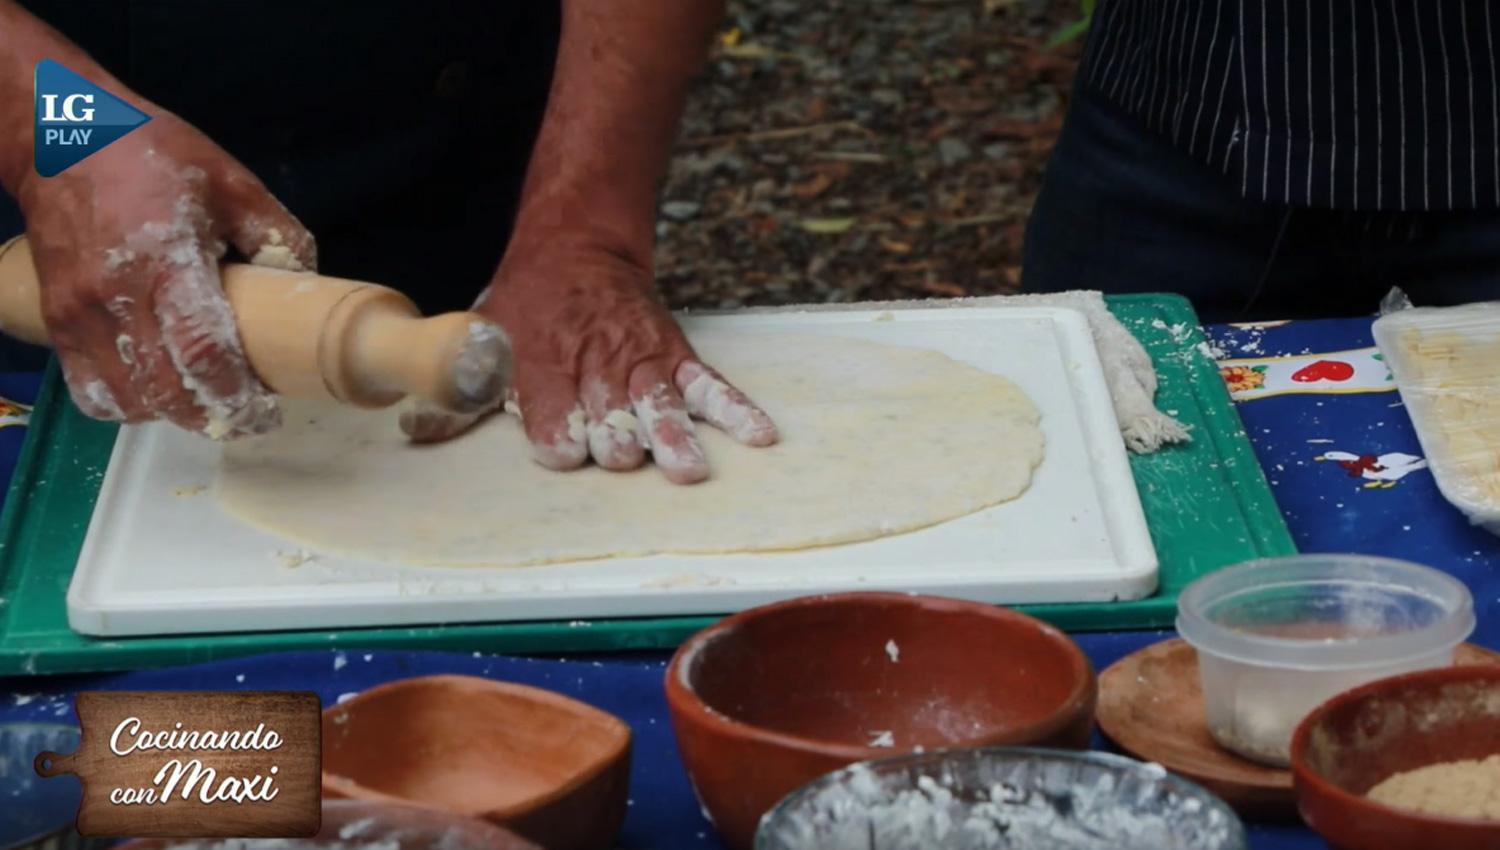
[1443,360]
[1314,612]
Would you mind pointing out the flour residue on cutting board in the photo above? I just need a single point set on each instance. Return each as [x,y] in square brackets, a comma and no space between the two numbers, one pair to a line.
[876,440]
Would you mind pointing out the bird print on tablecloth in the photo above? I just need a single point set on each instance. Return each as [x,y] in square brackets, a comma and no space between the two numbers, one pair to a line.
[1378,471]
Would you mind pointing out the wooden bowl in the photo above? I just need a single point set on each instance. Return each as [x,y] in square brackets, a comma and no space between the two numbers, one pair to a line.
[546,767]
[353,822]
[1151,705]
[1358,739]
[772,698]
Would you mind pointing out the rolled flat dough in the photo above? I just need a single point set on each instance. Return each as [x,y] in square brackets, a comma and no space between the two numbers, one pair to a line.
[875,440]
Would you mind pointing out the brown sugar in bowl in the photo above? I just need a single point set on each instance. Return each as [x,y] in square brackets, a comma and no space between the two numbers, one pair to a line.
[765,701]
[1360,738]
[549,768]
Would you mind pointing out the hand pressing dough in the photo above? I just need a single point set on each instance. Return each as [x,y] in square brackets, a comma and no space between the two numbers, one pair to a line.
[875,440]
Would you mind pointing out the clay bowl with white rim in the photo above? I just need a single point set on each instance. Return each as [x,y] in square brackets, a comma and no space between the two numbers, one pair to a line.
[352,824]
[765,701]
[550,769]
[1362,737]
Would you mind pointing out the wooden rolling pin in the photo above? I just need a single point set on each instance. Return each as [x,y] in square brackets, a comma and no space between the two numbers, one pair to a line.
[311,336]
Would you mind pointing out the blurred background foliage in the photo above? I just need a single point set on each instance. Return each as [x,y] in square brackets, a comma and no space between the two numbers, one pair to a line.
[1074,31]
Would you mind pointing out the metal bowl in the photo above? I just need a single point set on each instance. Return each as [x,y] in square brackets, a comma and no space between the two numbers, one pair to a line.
[1001,799]
[37,813]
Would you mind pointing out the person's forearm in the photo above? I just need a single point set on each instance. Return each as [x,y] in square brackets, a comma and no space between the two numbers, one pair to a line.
[25,41]
[617,95]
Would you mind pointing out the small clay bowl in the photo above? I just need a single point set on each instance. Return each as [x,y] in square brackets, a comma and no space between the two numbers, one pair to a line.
[352,822]
[768,700]
[548,768]
[1358,739]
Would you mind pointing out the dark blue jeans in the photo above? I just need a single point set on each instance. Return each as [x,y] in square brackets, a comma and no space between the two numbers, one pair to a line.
[1122,210]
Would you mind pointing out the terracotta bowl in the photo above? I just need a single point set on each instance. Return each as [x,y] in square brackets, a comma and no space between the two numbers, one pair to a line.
[1358,739]
[347,822]
[770,699]
[549,768]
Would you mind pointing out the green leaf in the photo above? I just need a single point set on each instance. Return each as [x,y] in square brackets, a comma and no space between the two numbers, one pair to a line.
[827,226]
[1070,32]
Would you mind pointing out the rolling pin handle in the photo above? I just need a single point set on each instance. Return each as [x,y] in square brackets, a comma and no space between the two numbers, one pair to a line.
[377,348]
[311,336]
[20,294]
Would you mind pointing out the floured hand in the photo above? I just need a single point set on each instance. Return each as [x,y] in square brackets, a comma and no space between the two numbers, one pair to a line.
[127,245]
[601,369]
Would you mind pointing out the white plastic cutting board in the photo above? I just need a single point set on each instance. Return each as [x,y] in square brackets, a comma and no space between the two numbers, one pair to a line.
[161,558]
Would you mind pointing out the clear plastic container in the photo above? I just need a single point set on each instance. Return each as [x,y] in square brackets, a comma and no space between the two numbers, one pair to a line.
[1277,637]
[1446,362]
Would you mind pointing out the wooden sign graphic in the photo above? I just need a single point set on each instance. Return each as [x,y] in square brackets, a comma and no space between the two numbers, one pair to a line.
[197,764]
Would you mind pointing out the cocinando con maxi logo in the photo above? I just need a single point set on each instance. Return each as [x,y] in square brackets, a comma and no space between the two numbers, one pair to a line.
[75,119]
[128,738]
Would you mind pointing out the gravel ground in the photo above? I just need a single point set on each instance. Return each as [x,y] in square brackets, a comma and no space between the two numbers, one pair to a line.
[850,150]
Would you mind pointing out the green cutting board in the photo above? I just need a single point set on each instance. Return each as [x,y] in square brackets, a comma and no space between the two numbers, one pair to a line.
[1207,503]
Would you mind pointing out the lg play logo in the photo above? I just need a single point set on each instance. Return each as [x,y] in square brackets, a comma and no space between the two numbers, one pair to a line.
[75,118]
